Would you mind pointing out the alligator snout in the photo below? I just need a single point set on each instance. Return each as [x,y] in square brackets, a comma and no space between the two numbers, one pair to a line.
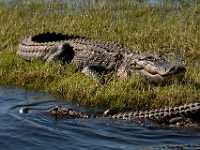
[160,69]
[177,69]
[163,75]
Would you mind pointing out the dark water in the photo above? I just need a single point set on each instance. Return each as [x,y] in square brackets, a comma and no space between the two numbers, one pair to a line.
[42,132]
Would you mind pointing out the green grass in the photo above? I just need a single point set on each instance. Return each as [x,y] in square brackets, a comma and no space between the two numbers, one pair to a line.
[141,27]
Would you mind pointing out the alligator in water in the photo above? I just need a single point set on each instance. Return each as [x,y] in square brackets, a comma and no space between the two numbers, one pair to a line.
[182,116]
[95,58]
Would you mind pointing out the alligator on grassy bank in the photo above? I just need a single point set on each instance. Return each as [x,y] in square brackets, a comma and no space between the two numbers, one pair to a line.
[95,58]
[182,116]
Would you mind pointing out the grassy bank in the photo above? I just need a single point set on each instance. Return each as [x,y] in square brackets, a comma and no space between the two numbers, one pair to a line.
[141,27]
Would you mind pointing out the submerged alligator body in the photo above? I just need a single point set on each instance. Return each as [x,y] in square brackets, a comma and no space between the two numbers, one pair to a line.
[94,58]
[184,115]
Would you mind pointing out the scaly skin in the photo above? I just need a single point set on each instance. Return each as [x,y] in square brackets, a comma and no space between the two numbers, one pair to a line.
[187,114]
[161,114]
[96,57]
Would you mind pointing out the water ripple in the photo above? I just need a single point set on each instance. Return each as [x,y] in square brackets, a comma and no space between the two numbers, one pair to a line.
[41,131]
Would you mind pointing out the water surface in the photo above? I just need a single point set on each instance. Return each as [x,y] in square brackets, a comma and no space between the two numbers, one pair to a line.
[39,131]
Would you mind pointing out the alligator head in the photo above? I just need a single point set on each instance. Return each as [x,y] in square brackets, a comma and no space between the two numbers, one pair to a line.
[155,68]
[61,111]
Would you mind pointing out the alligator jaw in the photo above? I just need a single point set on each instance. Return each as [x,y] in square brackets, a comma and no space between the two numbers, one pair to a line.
[157,69]
[176,72]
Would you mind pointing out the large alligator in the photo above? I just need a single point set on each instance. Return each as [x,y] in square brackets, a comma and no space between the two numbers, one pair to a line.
[182,116]
[95,58]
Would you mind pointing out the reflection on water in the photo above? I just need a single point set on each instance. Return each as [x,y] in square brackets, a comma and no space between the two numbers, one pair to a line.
[39,131]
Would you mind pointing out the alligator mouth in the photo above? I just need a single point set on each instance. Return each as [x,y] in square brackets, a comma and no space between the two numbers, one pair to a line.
[175,70]
[163,76]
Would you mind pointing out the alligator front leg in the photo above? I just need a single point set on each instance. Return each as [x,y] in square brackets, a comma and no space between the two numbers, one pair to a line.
[89,71]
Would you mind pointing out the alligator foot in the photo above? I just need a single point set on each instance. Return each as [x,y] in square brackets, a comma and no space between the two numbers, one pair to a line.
[88,71]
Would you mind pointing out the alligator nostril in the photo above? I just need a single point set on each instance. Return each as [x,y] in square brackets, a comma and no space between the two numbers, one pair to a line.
[172,69]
